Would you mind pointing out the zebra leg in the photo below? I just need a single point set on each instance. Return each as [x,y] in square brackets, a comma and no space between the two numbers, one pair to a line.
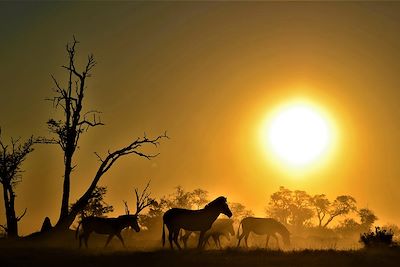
[277,240]
[201,239]
[266,243]
[176,235]
[184,239]
[245,239]
[170,238]
[215,238]
[240,238]
[86,238]
[120,238]
[80,239]
[109,239]
[219,242]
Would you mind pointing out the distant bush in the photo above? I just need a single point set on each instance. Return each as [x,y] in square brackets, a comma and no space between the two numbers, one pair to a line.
[379,238]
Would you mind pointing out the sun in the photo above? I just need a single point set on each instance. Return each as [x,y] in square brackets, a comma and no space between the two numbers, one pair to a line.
[298,134]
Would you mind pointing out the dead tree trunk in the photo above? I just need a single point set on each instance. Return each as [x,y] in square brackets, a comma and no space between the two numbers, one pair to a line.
[68,130]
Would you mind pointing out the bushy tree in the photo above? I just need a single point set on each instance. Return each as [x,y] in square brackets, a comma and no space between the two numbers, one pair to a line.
[321,206]
[239,211]
[279,205]
[180,198]
[300,208]
[11,158]
[199,198]
[367,218]
[290,207]
[342,205]
[96,205]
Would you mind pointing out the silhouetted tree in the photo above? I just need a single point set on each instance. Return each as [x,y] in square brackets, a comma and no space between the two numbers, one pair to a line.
[153,218]
[96,205]
[367,218]
[70,99]
[321,206]
[348,227]
[239,211]
[179,199]
[290,207]
[300,208]
[199,197]
[342,205]
[279,205]
[11,158]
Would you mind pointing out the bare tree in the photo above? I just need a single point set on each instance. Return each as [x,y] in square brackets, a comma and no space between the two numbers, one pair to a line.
[67,131]
[11,158]
[142,200]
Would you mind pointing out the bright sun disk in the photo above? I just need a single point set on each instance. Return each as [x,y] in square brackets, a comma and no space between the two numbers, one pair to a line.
[298,135]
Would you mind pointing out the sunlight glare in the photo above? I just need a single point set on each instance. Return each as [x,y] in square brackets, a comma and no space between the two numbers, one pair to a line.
[298,135]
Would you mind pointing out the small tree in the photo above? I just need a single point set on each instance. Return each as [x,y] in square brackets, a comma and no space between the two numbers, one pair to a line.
[321,206]
[11,158]
[239,211]
[179,199]
[342,205]
[96,205]
[367,218]
[300,208]
[200,197]
[279,205]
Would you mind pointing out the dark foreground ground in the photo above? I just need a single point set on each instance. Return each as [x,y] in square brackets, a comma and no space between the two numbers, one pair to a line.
[24,256]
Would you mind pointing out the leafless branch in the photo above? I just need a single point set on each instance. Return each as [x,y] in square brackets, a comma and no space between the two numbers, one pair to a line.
[22,215]
[143,199]
[126,207]
[98,156]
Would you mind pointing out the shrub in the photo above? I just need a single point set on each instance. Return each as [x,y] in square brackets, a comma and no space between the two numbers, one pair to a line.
[378,238]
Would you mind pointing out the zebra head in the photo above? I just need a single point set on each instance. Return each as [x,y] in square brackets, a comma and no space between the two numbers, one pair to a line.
[220,204]
[130,221]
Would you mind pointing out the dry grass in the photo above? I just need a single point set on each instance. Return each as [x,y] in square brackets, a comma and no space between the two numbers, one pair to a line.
[39,256]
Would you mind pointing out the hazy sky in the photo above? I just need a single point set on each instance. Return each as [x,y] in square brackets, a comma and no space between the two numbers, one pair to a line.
[208,73]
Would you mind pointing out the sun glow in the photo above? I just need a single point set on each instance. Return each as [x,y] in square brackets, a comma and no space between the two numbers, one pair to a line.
[297,134]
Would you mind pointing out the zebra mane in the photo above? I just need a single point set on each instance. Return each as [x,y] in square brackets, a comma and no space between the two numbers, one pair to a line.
[217,201]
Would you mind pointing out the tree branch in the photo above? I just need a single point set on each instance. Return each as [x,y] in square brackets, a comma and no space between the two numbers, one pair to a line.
[22,215]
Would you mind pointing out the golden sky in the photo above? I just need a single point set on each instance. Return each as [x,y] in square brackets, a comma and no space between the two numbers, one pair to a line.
[209,74]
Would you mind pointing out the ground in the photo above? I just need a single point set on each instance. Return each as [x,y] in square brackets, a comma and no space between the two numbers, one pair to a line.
[35,256]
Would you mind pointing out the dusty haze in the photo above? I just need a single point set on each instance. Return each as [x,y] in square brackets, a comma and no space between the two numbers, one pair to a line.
[208,73]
